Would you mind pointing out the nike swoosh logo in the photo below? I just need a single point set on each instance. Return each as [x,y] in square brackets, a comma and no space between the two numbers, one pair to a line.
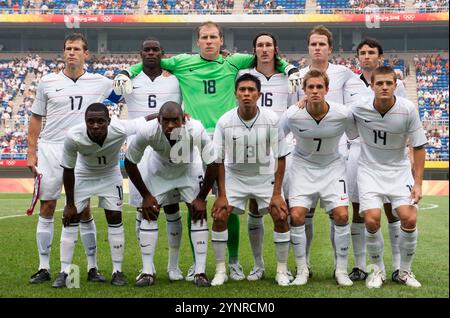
[302,130]
[59,89]
[353,94]
[145,245]
[191,70]
[135,87]
[235,138]
[368,121]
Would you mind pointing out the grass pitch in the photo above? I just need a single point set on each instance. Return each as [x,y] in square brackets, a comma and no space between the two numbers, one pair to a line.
[19,259]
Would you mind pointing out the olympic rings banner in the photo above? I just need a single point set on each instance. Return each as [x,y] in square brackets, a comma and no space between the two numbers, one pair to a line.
[236,18]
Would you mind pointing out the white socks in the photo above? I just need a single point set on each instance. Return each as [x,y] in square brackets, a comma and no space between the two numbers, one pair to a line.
[342,245]
[282,249]
[219,242]
[309,230]
[394,237]
[199,238]
[375,248]
[298,241]
[88,234]
[359,244]
[174,233]
[148,238]
[69,236]
[407,244]
[44,239]
[256,238]
[116,240]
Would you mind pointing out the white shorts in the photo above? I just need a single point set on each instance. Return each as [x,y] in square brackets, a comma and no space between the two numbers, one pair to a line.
[182,189]
[327,183]
[108,189]
[49,159]
[135,198]
[376,184]
[241,188]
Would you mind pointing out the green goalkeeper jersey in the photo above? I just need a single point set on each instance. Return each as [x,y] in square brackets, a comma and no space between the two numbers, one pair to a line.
[207,87]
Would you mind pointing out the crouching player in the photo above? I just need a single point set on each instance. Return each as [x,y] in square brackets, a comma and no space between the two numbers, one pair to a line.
[318,170]
[96,143]
[385,122]
[175,175]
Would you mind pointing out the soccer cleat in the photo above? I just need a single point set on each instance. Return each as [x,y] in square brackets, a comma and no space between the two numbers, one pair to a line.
[60,280]
[375,279]
[40,276]
[394,276]
[342,278]
[191,273]
[408,279]
[175,274]
[282,279]
[236,272]
[118,279]
[145,280]
[256,273]
[301,278]
[357,274]
[219,279]
[200,280]
[95,276]
[290,276]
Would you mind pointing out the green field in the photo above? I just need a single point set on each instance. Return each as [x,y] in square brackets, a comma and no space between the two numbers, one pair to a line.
[19,259]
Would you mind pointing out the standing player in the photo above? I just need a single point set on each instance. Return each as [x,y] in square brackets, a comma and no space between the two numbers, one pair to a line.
[370,56]
[96,144]
[276,97]
[207,82]
[62,98]
[175,175]
[248,138]
[343,89]
[318,170]
[385,122]
[150,91]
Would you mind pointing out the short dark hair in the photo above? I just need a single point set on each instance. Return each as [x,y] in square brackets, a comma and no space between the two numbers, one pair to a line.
[209,23]
[248,77]
[314,74]
[371,43]
[97,107]
[322,30]
[385,69]
[74,37]
[171,106]
[277,60]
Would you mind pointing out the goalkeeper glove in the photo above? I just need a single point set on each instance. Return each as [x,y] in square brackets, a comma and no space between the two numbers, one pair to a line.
[295,80]
[122,84]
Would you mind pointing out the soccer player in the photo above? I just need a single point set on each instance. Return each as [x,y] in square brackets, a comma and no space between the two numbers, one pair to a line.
[385,122]
[247,139]
[370,56]
[276,97]
[62,99]
[175,175]
[91,167]
[150,91]
[207,86]
[343,89]
[318,170]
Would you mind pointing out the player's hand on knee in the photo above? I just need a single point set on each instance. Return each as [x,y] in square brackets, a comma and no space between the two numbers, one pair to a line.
[278,207]
[416,193]
[198,207]
[220,208]
[122,84]
[302,102]
[150,208]
[69,214]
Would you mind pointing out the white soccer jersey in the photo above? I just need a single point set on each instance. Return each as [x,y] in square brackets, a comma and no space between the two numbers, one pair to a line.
[249,148]
[368,92]
[275,91]
[384,137]
[174,161]
[95,161]
[64,101]
[316,142]
[148,96]
[343,88]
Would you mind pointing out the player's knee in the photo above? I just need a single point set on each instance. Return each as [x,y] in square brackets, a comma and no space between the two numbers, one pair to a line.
[409,222]
[372,224]
[340,217]
[86,214]
[219,225]
[280,226]
[47,208]
[113,217]
[297,218]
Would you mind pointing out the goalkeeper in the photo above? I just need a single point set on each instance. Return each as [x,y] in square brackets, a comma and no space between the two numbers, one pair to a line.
[207,86]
